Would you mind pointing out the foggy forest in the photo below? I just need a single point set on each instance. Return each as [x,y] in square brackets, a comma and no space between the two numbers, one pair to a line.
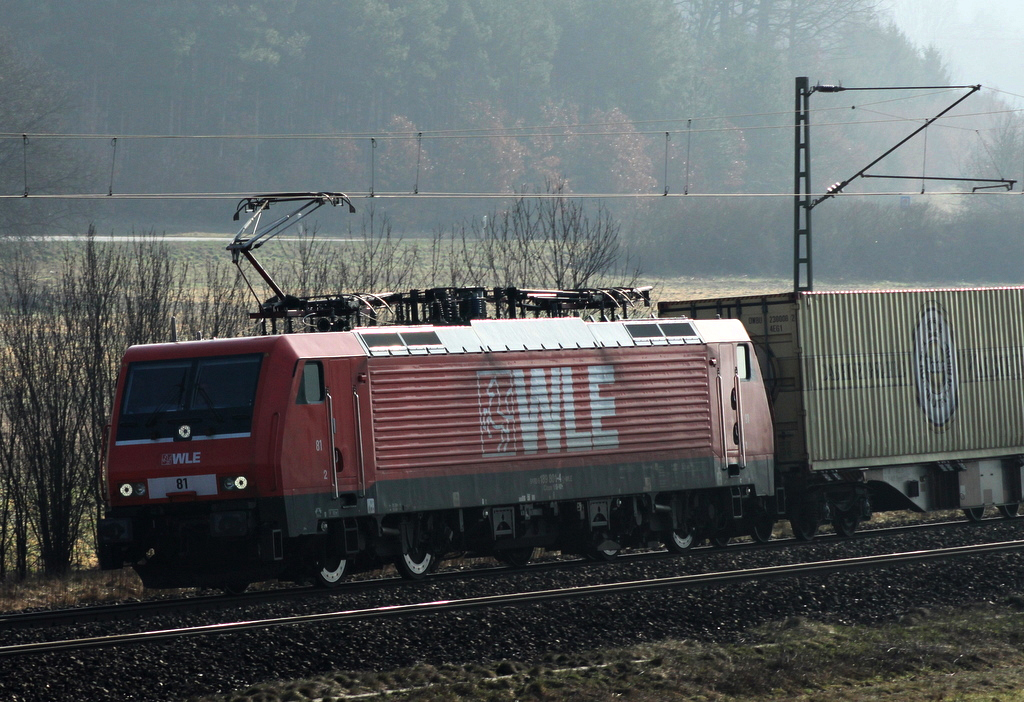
[678,112]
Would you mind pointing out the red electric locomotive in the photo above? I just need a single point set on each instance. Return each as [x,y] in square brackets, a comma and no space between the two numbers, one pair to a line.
[302,456]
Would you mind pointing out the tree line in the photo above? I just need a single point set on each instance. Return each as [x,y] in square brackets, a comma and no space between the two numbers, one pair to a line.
[427,95]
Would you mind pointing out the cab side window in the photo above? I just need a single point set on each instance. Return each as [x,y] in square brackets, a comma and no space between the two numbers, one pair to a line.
[311,385]
[743,361]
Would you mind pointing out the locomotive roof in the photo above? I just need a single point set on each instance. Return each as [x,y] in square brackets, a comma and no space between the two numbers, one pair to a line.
[481,336]
[496,335]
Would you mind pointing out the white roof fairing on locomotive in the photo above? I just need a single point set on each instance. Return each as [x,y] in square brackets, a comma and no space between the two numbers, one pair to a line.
[500,335]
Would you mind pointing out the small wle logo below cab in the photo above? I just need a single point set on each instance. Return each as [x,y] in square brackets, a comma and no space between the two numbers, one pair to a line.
[178,459]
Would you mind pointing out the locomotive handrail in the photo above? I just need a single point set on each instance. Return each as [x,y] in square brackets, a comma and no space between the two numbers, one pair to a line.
[359,444]
[739,418]
[332,428]
[721,420]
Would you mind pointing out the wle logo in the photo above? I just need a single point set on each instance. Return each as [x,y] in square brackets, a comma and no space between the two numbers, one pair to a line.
[176,459]
[522,409]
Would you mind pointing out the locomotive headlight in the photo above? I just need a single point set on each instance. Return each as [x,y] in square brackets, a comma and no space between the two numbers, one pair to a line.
[132,489]
[234,482]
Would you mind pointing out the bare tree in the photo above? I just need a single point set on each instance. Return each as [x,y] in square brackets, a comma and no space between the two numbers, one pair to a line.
[152,292]
[382,261]
[214,304]
[44,411]
[13,509]
[62,337]
[550,241]
[88,311]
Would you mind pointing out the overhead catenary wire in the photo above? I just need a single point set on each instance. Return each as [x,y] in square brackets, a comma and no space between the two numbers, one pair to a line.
[552,130]
[482,196]
[725,124]
[403,136]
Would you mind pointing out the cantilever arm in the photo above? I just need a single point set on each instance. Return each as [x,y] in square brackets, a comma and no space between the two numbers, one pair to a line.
[836,188]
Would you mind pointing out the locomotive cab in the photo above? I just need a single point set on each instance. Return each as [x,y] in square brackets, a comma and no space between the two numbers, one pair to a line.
[182,483]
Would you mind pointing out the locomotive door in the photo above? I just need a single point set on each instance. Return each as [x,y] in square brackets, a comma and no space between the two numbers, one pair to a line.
[343,447]
[306,440]
[733,369]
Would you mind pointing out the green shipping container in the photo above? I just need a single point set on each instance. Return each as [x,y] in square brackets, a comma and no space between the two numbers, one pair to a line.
[873,379]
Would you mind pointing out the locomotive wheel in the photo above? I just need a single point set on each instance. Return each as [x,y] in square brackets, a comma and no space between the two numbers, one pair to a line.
[720,540]
[603,554]
[761,529]
[235,587]
[415,566]
[974,514]
[515,557]
[1010,511]
[604,550]
[330,571]
[679,541]
[845,524]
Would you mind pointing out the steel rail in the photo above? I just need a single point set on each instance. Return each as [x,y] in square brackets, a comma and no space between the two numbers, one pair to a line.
[104,612]
[520,598]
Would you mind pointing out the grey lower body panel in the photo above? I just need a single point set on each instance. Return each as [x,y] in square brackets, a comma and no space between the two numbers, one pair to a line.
[550,485]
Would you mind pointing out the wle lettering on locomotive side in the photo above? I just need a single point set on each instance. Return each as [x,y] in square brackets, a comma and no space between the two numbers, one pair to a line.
[525,411]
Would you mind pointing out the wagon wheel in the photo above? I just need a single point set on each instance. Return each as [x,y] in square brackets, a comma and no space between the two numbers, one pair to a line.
[974,514]
[679,540]
[805,526]
[1010,511]
[330,570]
[515,557]
[845,524]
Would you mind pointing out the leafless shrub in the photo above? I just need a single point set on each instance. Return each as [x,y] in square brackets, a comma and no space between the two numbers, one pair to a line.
[551,241]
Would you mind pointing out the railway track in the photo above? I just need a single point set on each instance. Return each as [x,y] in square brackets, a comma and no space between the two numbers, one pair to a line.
[816,568]
[121,610]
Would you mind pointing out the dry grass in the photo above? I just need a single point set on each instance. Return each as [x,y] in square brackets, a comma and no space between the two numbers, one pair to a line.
[691,287]
[970,655]
[81,588]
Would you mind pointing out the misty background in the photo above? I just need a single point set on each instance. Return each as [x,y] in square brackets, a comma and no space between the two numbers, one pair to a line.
[677,113]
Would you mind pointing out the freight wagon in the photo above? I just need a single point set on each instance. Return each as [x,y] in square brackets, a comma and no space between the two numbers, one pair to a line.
[886,400]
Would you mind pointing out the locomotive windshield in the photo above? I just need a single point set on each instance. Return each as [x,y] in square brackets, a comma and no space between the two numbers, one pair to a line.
[209,396]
